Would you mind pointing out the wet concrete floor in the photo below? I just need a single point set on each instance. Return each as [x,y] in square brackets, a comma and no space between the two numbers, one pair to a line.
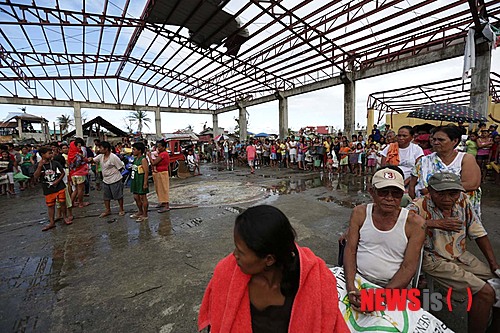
[116,275]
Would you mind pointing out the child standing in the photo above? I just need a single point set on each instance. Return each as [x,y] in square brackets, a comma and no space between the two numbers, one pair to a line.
[139,186]
[344,157]
[358,169]
[51,174]
[372,158]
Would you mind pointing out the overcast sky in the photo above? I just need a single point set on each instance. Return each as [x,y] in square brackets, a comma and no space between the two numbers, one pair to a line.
[322,107]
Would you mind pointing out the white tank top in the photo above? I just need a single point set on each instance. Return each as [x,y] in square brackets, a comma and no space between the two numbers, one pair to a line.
[380,253]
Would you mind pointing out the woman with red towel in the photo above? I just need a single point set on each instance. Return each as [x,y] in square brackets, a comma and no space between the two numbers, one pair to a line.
[269,283]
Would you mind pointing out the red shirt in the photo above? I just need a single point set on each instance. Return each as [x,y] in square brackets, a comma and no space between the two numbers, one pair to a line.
[251,152]
[164,163]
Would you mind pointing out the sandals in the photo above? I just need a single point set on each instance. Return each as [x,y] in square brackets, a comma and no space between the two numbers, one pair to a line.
[135,216]
[122,213]
[141,219]
[163,209]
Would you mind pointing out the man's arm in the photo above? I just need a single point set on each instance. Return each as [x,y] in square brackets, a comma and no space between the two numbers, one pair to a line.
[485,246]
[415,230]
[61,176]
[357,218]
[145,167]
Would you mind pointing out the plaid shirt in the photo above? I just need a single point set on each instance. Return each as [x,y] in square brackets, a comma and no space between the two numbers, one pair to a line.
[448,244]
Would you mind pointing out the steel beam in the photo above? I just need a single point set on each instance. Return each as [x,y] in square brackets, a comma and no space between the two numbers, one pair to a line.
[99,106]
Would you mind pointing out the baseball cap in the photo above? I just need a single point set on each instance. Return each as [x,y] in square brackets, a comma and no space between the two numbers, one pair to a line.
[388,178]
[445,181]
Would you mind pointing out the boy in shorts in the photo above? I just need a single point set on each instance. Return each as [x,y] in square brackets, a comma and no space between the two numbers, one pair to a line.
[51,174]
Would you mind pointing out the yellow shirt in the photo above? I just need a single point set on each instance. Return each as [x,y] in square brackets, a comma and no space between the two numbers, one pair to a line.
[327,146]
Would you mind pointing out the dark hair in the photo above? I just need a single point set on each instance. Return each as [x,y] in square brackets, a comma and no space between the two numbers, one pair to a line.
[394,168]
[451,130]
[64,144]
[44,149]
[54,144]
[162,143]
[409,128]
[266,230]
[79,141]
[139,146]
[105,145]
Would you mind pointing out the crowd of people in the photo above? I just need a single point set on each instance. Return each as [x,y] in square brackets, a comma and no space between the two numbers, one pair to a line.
[362,154]
[65,172]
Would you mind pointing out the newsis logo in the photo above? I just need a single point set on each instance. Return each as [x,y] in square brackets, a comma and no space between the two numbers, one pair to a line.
[406,299]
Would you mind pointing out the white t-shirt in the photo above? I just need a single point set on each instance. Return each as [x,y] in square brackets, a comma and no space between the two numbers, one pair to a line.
[407,157]
[110,168]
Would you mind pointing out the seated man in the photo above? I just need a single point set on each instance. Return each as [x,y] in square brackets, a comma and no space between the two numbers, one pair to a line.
[450,218]
[384,241]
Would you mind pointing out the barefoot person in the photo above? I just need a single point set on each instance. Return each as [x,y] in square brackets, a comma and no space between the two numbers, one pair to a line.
[139,186]
[111,167]
[51,174]
[161,176]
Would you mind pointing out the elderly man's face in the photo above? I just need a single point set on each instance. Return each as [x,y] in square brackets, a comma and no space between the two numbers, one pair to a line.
[387,199]
[444,200]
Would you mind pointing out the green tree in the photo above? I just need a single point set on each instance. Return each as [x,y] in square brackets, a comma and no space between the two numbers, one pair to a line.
[64,122]
[141,118]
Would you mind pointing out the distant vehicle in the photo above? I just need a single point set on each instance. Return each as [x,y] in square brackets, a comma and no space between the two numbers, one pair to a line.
[177,149]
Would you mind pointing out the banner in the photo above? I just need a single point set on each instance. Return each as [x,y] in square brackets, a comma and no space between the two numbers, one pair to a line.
[419,321]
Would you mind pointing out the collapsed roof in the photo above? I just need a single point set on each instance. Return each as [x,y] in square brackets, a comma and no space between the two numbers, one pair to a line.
[208,54]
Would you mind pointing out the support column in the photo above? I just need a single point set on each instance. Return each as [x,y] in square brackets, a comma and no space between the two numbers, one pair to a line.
[242,120]
[370,120]
[78,119]
[215,125]
[20,128]
[283,116]
[480,82]
[349,107]
[158,122]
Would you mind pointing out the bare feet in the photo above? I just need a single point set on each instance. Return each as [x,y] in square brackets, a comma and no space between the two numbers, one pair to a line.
[104,214]
[67,221]
[121,213]
[84,204]
[48,227]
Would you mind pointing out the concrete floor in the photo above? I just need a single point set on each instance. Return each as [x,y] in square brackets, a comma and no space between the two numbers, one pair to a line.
[116,275]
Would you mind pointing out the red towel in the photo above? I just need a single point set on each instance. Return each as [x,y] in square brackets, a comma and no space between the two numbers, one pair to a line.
[392,154]
[226,304]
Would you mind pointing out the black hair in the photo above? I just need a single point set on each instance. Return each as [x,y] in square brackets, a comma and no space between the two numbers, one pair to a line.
[54,144]
[44,149]
[139,146]
[394,168]
[267,231]
[64,144]
[354,136]
[162,143]
[105,145]
[79,141]
[409,128]
[481,125]
[451,130]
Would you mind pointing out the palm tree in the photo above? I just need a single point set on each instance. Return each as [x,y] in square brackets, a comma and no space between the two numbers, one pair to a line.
[141,118]
[65,122]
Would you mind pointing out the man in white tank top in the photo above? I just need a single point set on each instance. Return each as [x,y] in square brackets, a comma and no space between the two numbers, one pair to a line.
[384,240]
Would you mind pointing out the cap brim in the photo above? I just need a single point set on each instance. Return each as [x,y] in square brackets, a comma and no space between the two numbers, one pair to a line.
[447,186]
[383,184]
